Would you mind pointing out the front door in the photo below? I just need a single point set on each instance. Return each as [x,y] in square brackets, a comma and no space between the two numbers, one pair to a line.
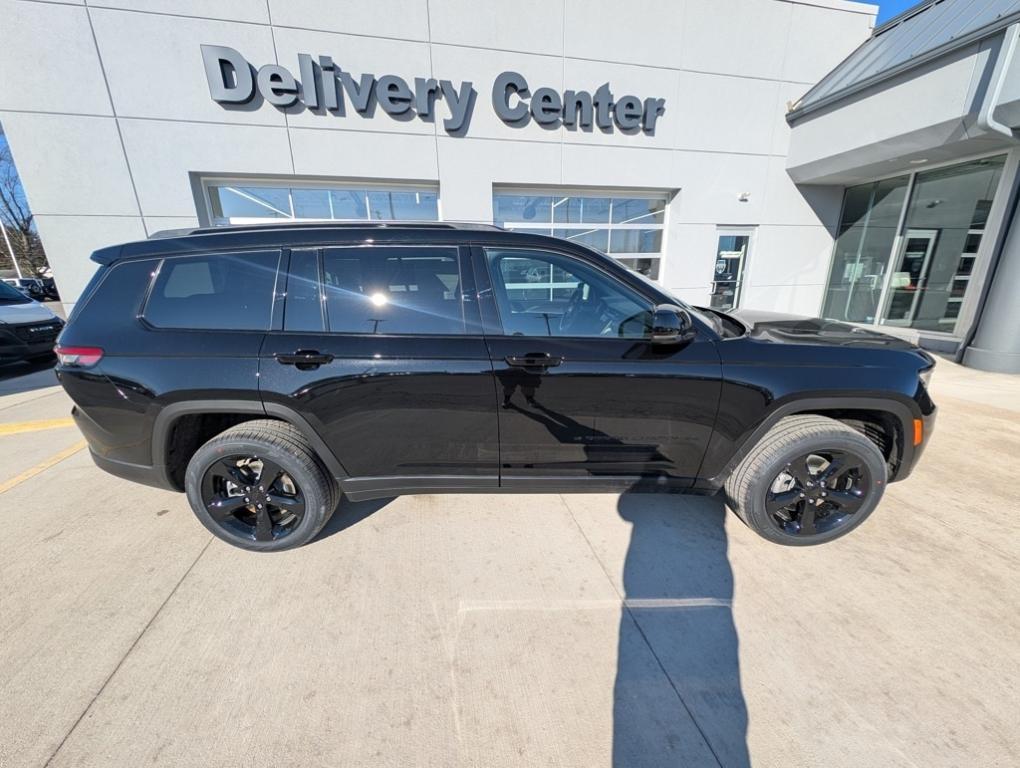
[730,257]
[381,353]
[581,392]
[909,278]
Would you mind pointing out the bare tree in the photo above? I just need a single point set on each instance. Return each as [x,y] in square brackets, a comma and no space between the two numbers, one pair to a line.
[17,219]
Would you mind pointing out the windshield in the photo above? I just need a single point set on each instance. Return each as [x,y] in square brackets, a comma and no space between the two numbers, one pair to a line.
[11,295]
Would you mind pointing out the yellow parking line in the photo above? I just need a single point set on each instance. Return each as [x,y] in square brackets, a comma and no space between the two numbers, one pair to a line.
[17,427]
[42,466]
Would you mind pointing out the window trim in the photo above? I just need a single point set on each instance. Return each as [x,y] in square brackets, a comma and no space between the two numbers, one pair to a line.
[274,307]
[483,255]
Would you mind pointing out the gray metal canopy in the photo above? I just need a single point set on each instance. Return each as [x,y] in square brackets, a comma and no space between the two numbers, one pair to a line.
[922,33]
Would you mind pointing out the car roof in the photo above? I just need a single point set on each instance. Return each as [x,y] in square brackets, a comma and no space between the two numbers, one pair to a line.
[320,234]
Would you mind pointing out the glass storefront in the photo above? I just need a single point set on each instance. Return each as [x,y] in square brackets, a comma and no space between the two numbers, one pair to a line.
[629,228]
[871,213]
[914,275]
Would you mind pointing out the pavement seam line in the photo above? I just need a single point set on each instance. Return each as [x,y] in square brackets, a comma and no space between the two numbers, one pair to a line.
[42,466]
[18,427]
[641,631]
[127,653]
[54,391]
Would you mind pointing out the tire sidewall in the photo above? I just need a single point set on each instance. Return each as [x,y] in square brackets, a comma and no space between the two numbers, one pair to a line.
[838,440]
[316,502]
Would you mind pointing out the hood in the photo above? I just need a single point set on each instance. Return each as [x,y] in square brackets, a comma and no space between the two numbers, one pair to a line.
[792,329]
[29,312]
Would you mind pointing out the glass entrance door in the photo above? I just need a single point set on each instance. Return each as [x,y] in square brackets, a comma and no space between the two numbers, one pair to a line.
[730,257]
[907,282]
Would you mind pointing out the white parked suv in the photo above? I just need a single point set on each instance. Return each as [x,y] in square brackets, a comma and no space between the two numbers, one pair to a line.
[28,330]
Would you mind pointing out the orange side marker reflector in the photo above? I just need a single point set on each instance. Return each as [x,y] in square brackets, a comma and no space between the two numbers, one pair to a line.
[918,431]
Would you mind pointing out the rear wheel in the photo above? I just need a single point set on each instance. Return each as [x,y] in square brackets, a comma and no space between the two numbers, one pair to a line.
[260,486]
[811,479]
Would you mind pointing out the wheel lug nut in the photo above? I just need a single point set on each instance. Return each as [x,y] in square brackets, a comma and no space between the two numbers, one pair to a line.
[803,495]
[262,488]
[259,506]
[247,500]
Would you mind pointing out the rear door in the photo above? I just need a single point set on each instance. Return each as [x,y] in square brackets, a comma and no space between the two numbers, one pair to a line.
[381,352]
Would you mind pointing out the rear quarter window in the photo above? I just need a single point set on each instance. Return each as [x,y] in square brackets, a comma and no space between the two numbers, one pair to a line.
[224,291]
[110,302]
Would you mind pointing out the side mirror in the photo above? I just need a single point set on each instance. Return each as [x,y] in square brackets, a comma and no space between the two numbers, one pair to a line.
[671,325]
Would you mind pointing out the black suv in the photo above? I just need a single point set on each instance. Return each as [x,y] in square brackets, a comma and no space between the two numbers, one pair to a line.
[265,370]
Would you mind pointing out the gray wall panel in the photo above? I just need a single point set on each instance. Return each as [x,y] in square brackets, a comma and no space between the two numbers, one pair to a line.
[77,160]
[154,65]
[29,60]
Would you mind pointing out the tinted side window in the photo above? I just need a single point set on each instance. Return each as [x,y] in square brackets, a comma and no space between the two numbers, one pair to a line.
[391,290]
[547,294]
[109,306]
[304,302]
[231,291]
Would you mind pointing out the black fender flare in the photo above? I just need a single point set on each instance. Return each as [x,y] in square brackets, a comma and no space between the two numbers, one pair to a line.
[900,410]
[170,413]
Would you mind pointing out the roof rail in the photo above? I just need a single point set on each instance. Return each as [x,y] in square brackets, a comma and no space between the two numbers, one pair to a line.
[330,224]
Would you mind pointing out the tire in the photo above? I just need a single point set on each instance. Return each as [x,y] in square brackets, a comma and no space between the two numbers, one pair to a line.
[215,484]
[789,464]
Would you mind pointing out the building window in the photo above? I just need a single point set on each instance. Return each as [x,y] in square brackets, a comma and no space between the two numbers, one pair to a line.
[627,227]
[871,214]
[247,202]
[906,246]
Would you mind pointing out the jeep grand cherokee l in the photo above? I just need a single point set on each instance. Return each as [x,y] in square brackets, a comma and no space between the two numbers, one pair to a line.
[267,370]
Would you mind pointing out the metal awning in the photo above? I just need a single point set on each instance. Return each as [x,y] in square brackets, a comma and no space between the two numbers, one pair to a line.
[928,30]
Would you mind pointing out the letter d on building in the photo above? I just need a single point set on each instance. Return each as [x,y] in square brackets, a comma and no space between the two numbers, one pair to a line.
[229,75]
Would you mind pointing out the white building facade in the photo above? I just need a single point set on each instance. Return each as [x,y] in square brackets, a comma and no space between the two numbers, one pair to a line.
[450,109]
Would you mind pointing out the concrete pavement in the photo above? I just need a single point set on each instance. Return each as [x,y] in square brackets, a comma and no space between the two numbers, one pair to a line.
[587,630]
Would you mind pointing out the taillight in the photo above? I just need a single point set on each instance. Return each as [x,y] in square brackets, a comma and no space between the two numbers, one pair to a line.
[79,357]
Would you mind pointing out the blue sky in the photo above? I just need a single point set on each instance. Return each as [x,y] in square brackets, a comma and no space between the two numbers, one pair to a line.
[890,8]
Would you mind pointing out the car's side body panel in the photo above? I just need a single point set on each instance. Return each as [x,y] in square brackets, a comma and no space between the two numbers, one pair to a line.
[765,381]
[392,406]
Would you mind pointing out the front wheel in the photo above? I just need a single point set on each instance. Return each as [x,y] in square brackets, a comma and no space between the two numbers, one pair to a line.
[260,486]
[810,480]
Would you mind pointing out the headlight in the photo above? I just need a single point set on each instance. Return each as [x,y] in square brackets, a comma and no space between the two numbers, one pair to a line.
[925,375]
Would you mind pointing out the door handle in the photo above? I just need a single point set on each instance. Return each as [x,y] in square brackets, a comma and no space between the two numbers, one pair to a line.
[305,359]
[534,360]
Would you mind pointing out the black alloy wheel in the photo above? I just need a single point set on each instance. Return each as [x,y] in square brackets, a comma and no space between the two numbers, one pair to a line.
[818,492]
[253,498]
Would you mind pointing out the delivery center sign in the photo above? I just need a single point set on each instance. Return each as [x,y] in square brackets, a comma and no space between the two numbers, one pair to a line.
[323,86]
